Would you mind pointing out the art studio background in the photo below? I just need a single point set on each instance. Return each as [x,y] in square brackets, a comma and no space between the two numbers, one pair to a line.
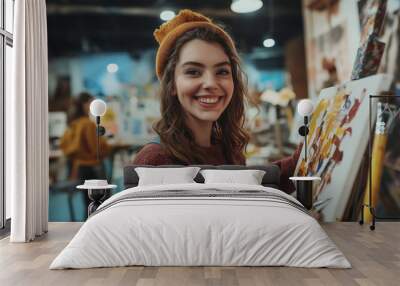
[107,49]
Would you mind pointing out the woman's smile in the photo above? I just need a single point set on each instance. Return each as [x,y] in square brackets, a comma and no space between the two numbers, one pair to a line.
[210,101]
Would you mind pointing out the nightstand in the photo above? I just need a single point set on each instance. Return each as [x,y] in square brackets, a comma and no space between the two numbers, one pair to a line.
[304,190]
[98,192]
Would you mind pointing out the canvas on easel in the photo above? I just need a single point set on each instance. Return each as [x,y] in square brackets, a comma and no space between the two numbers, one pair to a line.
[338,138]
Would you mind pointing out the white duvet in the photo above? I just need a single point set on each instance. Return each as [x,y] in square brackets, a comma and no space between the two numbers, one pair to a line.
[200,231]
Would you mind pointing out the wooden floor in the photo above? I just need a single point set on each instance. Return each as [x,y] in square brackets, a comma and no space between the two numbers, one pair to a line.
[374,255]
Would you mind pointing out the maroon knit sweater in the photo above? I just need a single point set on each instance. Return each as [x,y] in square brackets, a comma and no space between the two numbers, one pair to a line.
[155,154]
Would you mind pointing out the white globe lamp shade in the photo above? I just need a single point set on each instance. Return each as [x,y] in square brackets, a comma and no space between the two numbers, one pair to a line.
[305,107]
[98,107]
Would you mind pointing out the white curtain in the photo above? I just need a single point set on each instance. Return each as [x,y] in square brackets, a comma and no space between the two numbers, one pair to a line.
[26,124]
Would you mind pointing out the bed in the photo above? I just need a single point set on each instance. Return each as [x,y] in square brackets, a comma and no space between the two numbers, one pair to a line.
[201,224]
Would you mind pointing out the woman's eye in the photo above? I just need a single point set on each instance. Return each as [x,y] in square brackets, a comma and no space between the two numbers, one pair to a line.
[192,72]
[224,72]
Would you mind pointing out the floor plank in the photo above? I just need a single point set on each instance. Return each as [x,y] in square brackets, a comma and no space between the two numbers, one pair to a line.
[374,255]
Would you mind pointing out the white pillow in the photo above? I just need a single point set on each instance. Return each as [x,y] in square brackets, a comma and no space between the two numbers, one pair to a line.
[163,176]
[248,177]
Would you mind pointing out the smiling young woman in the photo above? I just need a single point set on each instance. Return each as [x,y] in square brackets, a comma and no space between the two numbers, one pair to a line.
[204,87]
[203,96]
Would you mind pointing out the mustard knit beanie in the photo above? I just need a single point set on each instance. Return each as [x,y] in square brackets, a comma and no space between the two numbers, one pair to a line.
[167,34]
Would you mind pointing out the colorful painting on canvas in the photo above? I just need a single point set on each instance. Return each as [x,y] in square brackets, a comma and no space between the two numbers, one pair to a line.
[337,139]
[328,58]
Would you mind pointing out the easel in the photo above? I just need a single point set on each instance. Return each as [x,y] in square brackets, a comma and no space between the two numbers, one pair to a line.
[394,115]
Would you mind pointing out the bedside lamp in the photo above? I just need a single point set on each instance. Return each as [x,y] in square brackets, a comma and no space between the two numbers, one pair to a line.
[304,185]
[98,108]
[98,190]
[305,109]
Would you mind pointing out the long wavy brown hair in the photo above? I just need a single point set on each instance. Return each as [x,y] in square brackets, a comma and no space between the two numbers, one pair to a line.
[228,130]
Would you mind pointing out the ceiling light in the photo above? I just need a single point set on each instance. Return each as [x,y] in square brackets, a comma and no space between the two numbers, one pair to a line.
[167,15]
[269,43]
[246,6]
[112,68]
